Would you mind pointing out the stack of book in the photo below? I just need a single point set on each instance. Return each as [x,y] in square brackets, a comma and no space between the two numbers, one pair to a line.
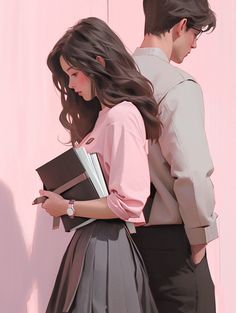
[74,174]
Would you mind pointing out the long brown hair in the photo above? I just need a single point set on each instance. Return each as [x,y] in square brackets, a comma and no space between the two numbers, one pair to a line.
[119,80]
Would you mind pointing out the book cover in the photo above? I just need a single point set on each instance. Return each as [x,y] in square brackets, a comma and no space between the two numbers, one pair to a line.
[72,178]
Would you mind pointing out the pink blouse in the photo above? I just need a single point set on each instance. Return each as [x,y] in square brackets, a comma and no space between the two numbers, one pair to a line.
[119,139]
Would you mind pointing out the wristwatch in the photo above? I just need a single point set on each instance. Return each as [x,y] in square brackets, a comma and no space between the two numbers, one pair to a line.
[70,209]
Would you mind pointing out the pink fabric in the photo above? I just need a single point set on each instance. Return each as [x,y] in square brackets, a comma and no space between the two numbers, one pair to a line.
[119,139]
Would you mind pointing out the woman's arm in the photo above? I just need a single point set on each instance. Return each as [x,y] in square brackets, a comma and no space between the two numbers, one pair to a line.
[56,206]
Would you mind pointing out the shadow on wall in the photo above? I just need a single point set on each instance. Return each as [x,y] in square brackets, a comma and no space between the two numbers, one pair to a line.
[48,248]
[15,273]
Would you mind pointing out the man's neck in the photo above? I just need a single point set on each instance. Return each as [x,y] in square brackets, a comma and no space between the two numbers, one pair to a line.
[163,42]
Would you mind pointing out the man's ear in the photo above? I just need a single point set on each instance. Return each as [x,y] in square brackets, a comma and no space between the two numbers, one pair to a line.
[101,60]
[180,28]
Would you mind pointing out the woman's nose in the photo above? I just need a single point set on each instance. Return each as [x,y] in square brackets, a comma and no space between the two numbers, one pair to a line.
[71,85]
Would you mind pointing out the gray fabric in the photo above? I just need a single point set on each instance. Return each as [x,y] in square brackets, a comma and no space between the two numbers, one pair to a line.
[70,272]
[102,272]
[178,285]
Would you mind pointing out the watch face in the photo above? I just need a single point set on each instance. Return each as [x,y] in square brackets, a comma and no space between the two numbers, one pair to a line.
[70,212]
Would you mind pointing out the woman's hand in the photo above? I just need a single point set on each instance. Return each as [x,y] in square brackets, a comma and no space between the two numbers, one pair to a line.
[55,205]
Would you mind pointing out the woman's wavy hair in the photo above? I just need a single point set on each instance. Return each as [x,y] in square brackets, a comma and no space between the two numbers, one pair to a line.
[162,15]
[119,80]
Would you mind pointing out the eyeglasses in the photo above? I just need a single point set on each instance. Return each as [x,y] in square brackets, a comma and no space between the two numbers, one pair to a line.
[199,32]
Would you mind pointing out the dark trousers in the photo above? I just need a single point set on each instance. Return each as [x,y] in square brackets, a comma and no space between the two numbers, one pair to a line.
[178,286]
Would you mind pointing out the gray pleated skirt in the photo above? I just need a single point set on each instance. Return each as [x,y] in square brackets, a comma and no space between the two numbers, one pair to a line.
[102,272]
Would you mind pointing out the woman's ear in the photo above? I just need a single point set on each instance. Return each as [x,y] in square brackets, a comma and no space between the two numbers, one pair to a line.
[101,60]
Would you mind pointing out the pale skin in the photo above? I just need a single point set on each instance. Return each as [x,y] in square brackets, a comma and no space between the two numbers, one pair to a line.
[56,206]
[177,44]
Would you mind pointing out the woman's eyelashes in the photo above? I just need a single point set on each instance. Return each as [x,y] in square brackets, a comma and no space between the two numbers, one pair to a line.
[74,74]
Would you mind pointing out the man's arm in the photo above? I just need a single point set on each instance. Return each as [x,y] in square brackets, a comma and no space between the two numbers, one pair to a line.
[184,145]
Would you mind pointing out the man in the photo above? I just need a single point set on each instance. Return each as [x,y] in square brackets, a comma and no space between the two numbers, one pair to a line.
[182,219]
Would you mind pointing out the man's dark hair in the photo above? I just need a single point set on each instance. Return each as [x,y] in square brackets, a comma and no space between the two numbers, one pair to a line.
[162,15]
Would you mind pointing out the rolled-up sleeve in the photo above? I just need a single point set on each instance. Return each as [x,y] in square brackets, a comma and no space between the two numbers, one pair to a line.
[126,157]
[184,145]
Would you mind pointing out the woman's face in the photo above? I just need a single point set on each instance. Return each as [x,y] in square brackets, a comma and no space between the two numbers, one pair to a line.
[78,81]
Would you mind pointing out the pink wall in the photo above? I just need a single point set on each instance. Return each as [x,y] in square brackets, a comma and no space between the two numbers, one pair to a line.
[30,250]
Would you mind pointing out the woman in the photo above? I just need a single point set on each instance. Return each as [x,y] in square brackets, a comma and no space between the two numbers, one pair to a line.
[108,107]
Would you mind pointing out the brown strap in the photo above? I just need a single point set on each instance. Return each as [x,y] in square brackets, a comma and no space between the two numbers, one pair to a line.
[71,183]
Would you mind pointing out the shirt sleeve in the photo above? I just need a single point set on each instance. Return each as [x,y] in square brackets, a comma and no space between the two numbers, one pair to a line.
[126,160]
[184,145]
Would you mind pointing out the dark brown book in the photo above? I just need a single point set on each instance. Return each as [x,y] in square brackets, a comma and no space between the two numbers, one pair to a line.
[67,176]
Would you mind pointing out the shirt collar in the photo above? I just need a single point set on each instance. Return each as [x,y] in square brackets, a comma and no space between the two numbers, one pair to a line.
[151,51]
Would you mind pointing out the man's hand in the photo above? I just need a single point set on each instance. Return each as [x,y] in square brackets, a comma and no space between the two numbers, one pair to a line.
[198,253]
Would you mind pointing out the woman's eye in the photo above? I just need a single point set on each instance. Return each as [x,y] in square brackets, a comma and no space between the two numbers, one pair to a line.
[74,74]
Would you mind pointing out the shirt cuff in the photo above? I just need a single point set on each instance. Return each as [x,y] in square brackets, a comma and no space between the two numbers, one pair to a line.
[202,235]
